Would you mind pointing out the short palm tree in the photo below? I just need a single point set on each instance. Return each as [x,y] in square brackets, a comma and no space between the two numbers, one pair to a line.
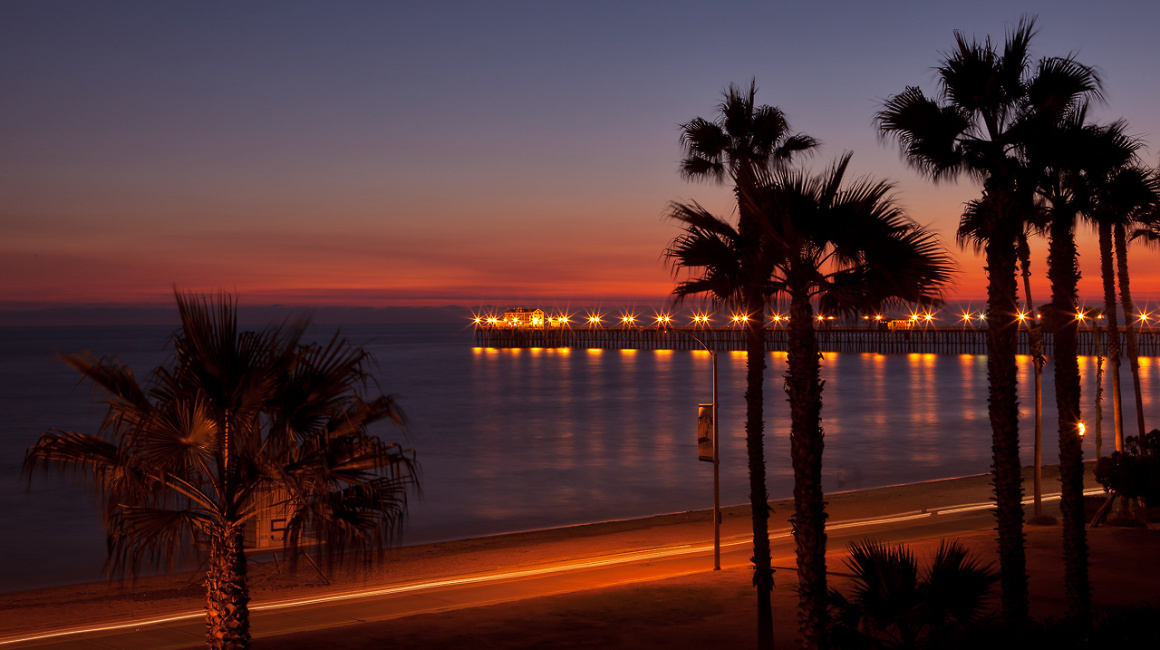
[236,425]
[977,125]
[848,248]
[744,141]
[891,606]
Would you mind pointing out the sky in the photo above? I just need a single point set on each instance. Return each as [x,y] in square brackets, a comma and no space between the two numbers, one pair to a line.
[458,153]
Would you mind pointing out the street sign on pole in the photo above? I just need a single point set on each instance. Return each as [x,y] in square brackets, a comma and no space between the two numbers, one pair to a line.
[705,432]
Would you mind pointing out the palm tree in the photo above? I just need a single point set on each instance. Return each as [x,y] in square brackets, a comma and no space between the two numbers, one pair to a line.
[1062,152]
[975,125]
[1128,195]
[235,426]
[850,249]
[891,606]
[745,140]
[969,234]
[1038,361]
[1117,190]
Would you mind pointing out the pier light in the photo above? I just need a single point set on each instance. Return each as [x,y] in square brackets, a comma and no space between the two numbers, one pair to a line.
[700,319]
[966,316]
[664,319]
[628,319]
[740,318]
[477,320]
[492,320]
[914,317]
[1079,316]
[1081,428]
[1143,318]
[821,317]
[928,317]
[878,317]
[593,319]
[1022,316]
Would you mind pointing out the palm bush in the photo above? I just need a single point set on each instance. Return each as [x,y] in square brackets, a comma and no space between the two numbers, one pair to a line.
[236,425]
[892,606]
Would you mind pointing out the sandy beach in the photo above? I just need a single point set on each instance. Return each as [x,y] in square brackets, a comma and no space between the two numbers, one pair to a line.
[703,609]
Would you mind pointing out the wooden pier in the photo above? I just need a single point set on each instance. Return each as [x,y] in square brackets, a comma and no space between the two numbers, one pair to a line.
[920,340]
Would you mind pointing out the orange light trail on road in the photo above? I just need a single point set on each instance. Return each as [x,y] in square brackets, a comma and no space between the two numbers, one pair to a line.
[625,557]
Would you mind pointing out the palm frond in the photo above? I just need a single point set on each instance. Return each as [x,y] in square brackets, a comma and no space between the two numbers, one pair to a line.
[708,247]
[150,538]
[928,134]
[956,584]
[89,455]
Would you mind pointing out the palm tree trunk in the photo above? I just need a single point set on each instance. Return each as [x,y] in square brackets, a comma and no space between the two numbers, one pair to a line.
[1003,409]
[1129,311]
[1097,336]
[1064,280]
[1035,340]
[1107,274]
[755,449]
[804,388]
[227,594]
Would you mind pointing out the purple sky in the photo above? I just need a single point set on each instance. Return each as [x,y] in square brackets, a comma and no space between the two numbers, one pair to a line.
[455,152]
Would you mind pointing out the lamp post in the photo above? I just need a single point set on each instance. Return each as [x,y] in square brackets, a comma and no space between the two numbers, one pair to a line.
[716,457]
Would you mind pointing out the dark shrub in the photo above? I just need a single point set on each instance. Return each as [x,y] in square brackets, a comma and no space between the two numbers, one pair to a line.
[1134,472]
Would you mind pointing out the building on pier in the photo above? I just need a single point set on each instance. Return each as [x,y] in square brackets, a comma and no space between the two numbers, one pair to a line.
[523,317]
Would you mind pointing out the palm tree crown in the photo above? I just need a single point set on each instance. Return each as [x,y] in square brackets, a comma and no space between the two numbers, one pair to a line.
[744,140]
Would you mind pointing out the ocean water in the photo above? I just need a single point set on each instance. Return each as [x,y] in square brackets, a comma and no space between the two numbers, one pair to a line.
[513,440]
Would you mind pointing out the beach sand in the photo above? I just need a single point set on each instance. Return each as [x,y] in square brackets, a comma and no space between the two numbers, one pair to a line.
[710,609]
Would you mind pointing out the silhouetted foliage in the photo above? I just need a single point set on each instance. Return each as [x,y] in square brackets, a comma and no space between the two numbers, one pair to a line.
[990,103]
[237,424]
[893,606]
[744,141]
[1134,472]
[849,247]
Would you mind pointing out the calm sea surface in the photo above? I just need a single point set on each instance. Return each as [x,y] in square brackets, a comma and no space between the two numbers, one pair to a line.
[513,440]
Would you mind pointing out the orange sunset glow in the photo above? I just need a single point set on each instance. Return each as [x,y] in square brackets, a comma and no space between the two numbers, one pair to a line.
[322,179]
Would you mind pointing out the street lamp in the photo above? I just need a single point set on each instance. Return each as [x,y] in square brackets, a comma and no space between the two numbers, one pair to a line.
[715,458]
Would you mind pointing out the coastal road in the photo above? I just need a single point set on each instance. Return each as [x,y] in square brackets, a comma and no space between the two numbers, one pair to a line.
[603,569]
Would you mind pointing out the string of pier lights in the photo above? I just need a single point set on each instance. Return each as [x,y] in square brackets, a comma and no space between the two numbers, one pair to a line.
[661,320]
[628,319]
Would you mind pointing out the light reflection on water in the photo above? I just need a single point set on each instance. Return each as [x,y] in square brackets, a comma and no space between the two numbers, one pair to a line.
[519,439]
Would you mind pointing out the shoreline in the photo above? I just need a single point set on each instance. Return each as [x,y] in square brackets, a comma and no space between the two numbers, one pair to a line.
[93,603]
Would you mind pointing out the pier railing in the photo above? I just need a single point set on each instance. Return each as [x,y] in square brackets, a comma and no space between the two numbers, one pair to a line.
[922,340]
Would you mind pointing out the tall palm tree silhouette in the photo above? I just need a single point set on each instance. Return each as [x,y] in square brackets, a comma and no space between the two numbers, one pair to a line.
[1125,195]
[1060,150]
[744,141]
[976,125]
[236,425]
[846,247]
